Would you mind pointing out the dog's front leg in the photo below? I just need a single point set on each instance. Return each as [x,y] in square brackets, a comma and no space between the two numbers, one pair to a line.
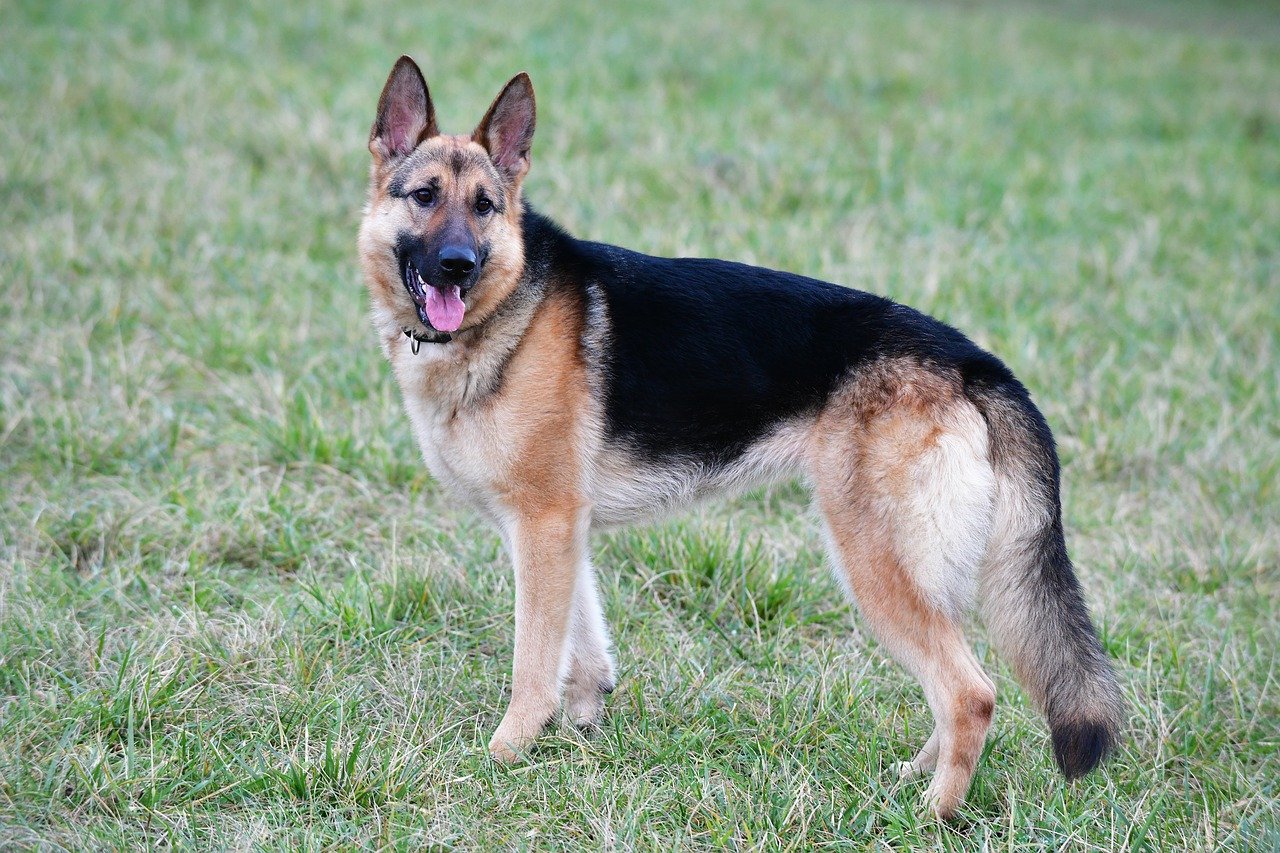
[546,550]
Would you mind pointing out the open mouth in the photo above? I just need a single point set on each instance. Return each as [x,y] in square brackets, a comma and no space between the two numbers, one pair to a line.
[439,307]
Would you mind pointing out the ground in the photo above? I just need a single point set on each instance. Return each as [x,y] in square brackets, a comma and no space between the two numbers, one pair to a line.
[235,610]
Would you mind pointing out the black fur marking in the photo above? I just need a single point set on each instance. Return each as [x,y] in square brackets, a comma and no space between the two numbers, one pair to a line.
[707,356]
[1080,747]
[412,248]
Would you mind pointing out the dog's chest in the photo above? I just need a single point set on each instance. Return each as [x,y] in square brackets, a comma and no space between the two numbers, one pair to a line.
[457,453]
[458,440]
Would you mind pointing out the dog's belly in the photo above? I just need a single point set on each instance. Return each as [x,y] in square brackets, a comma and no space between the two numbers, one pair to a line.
[627,488]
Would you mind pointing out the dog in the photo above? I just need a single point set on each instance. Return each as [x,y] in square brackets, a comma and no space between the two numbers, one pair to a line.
[560,386]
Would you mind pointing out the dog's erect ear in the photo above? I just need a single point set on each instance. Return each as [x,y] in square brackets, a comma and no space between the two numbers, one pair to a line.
[506,131]
[405,114]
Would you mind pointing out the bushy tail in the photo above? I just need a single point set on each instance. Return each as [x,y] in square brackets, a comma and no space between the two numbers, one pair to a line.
[1029,596]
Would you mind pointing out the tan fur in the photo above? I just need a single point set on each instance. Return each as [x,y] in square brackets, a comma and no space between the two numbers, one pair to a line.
[543,395]
[876,450]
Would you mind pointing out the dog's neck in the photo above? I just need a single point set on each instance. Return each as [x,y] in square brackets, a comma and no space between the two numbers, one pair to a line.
[464,368]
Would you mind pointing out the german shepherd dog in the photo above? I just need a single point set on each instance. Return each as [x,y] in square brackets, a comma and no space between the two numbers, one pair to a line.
[559,386]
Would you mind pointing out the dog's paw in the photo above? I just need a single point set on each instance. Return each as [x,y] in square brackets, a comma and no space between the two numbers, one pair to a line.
[517,732]
[584,704]
[507,748]
[907,770]
[502,751]
[924,763]
[944,796]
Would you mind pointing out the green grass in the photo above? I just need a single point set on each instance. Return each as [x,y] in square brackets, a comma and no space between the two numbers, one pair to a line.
[235,611]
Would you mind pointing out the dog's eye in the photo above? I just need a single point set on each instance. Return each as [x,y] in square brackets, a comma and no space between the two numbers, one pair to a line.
[483,206]
[423,196]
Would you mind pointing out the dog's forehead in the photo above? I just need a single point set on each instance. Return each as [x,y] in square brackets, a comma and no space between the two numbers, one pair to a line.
[454,157]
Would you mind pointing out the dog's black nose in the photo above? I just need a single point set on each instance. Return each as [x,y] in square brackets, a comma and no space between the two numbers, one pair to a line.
[457,260]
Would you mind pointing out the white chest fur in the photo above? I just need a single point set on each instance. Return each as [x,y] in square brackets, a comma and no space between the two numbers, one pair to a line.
[457,437]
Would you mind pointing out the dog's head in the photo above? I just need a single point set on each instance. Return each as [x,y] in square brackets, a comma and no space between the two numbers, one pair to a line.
[440,243]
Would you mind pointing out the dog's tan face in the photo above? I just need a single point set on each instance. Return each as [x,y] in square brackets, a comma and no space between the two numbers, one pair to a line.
[440,243]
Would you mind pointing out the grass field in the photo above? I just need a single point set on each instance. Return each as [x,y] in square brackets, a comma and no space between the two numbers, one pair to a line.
[236,612]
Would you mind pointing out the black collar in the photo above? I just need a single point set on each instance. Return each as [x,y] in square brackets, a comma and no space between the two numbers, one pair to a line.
[420,338]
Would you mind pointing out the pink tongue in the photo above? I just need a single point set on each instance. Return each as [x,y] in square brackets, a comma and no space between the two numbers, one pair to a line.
[445,308]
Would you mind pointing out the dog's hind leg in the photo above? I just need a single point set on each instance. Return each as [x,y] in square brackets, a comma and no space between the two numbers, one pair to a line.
[906,492]
[591,668]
